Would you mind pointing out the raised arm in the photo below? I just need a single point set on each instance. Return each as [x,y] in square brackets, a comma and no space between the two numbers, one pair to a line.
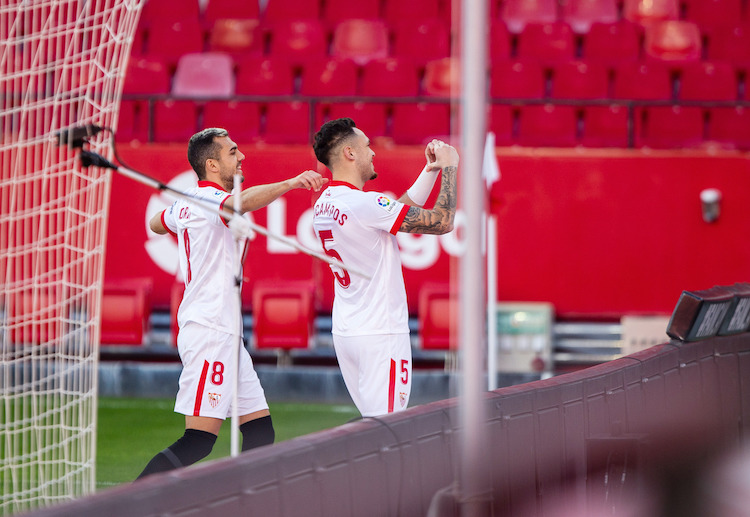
[439,220]
[258,196]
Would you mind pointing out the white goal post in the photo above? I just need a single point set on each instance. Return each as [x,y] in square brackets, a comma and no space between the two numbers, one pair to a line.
[62,64]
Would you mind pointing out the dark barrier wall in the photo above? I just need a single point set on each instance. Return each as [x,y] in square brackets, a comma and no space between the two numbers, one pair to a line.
[572,224]
[617,434]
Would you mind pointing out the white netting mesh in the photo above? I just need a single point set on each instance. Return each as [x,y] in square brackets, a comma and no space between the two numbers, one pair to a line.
[61,66]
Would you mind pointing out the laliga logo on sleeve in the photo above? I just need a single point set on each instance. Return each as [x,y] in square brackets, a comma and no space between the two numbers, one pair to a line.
[385,203]
[163,248]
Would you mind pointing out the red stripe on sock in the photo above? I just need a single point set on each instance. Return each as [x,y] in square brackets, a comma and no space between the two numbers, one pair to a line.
[201,387]
[392,386]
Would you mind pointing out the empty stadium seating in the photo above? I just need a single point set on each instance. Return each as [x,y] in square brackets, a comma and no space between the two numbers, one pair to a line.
[371,117]
[647,12]
[438,316]
[517,80]
[174,120]
[709,81]
[416,124]
[264,76]
[673,41]
[360,40]
[171,40]
[125,312]
[518,13]
[421,40]
[241,119]
[283,314]
[732,44]
[335,11]
[612,43]
[146,75]
[277,10]
[238,9]
[548,43]
[669,127]
[580,80]
[442,78]
[204,75]
[287,123]
[581,14]
[605,126]
[238,38]
[641,81]
[329,77]
[547,125]
[298,40]
[390,77]
[713,15]
[730,127]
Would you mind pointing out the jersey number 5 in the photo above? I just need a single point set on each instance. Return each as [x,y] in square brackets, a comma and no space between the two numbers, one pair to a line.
[342,278]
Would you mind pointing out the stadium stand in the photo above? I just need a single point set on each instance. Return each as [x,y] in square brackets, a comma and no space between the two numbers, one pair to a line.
[125,313]
[204,75]
[605,126]
[635,53]
[283,314]
[665,127]
[360,40]
[438,317]
[548,125]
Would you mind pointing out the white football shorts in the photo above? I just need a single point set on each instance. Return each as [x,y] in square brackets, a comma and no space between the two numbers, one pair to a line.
[207,377]
[376,371]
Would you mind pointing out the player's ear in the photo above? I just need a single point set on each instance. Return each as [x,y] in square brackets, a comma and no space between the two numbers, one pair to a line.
[212,165]
[348,152]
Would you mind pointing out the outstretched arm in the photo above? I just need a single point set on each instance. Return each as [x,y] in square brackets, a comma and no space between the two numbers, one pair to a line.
[258,196]
[439,220]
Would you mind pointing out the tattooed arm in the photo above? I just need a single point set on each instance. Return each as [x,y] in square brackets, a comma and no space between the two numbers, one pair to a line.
[439,220]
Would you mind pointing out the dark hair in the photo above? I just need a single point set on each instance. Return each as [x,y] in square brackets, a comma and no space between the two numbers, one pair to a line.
[202,147]
[330,135]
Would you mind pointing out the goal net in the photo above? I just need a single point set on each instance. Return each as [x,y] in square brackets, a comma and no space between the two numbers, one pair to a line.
[62,64]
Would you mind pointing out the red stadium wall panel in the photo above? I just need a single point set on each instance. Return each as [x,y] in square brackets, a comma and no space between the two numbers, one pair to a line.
[597,233]
[613,439]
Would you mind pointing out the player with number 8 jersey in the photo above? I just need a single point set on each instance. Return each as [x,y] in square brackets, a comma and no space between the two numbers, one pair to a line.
[370,316]
[209,317]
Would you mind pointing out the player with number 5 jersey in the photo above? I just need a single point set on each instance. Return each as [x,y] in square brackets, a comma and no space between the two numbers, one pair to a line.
[370,316]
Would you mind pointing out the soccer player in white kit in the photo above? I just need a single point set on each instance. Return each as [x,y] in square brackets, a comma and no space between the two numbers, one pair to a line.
[370,317]
[209,316]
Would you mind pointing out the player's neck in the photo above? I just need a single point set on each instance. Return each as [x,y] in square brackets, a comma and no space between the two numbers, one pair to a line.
[350,177]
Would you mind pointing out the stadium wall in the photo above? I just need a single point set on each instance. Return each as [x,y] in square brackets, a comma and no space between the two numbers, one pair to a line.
[616,435]
[573,224]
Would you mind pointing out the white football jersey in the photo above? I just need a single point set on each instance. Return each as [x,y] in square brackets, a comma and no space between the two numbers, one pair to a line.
[359,228]
[208,260]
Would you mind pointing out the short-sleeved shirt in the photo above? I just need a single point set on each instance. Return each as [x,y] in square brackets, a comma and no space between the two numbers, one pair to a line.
[208,260]
[359,228]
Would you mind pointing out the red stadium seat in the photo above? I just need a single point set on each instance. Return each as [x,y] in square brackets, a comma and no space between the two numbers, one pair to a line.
[156,13]
[125,313]
[517,80]
[500,122]
[442,78]
[390,77]
[731,45]
[174,120]
[146,75]
[547,126]
[34,316]
[283,314]
[417,124]
[581,14]
[499,41]
[238,38]
[204,75]
[287,123]
[641,81]
[730,127]
[370,117]
[397,10]
[613,43]
[298,40]
[241,119]
[580,80]
[711,15]
[173,40]
[329,77]
[278,10]
[264,76]
[548,43]
[422,39]
[132,122]
[668,127]
[335,11]
[438,317]
[646,12]
[605,126]
[238,9]
[673,41]
[709,81]
[518,13]
[360,40]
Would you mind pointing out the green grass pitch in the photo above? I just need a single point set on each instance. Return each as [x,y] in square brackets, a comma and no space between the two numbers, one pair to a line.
[131,431]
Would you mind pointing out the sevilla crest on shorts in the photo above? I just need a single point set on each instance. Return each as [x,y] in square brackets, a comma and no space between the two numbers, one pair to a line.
[402,398]
[213,399]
